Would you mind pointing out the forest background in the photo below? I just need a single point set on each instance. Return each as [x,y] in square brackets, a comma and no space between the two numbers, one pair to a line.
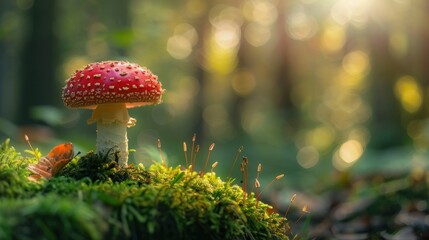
[312,89]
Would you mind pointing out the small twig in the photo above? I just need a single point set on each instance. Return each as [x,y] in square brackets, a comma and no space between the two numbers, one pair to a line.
[239,150]
[185,150]
[213,166]
[28,142]
[257,186]
[292,199]
[208,156]
[160,153]
[272,181]
[304,210]
[245,176]
[258,171]
[194,137]
[197,149]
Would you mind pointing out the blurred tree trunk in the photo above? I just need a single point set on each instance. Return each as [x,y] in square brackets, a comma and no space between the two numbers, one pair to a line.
[238,101]
[40,60]
[419,55]
[283,77]
[386,119]
[8,83]
[3,65]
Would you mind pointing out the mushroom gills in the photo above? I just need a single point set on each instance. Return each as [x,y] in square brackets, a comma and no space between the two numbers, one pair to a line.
[112,113]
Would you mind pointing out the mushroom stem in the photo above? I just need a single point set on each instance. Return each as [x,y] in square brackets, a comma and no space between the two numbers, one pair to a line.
[113,137]
[112,123]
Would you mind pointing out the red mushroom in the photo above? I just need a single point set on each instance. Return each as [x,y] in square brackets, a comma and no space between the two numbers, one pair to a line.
[110,88]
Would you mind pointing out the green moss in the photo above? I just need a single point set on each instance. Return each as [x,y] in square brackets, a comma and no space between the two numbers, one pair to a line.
[14,173]
[49,217]
[99,167]
[93,199]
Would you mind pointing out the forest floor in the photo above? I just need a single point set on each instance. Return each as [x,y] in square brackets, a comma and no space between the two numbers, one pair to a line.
[371,207]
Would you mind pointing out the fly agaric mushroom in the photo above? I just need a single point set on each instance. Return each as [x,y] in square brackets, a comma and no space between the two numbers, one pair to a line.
[109,88]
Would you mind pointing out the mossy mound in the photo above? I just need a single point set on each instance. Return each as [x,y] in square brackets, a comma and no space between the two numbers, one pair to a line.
[133,203]
[98,167]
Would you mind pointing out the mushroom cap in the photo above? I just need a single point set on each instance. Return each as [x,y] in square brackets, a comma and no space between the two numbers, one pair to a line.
[112,82]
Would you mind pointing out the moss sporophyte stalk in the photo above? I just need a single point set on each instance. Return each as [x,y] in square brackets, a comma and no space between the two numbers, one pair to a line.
[92,197]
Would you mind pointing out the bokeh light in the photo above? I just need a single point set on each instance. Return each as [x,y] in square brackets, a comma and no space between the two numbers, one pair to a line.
[243,83]
[356,63]
[301,26]
[398,43]
[333,38]
[351,11]
[409,93]
[180,100]
[257,35]
[307,157]
[181,44]
[262,12]
[347,155]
